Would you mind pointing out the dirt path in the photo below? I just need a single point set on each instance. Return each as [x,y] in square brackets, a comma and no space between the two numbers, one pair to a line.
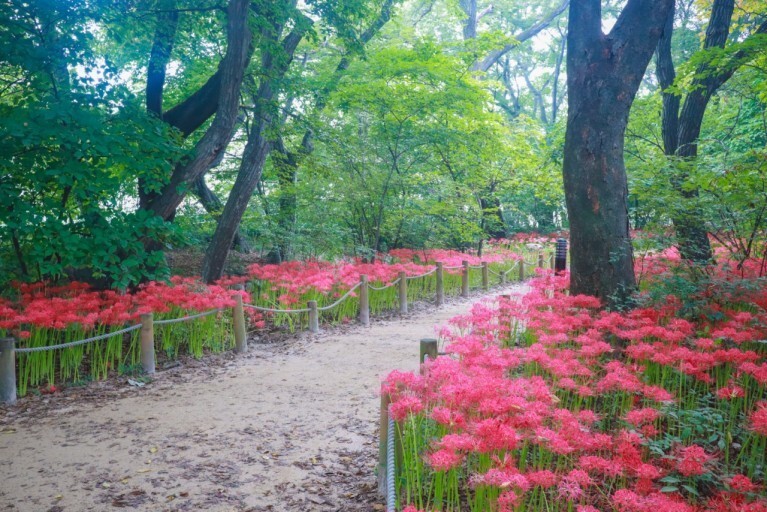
[283,428]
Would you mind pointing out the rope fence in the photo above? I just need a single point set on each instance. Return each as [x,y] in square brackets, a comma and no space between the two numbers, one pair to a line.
[419,290]
[29,350]
[382,288]
[170,321]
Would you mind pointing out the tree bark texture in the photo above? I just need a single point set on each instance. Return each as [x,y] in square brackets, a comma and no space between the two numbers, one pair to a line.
[603,75]
[681,129]
[217,137]
[257,149]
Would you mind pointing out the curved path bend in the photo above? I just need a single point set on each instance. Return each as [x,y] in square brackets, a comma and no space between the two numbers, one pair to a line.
[286,427]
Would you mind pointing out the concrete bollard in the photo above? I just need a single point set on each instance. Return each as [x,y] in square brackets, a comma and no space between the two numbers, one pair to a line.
[314,317]
[238,321]
[440,283]
[147,343]
[364,295]
[402,293]
[465,279]
[7,370]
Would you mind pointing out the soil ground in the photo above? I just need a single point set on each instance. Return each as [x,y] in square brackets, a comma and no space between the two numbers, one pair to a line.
[288,426]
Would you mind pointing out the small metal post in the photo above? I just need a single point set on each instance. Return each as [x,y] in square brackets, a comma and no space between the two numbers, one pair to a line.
[402,293]
[522,270]
[560,261]
[7,370]
[147,343]
[440,283]
[364,301]
[465,279]
[485,276]
[314,317]
[238,319]
[428,347]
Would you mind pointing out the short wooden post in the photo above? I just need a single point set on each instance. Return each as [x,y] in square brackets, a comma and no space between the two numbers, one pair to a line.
[440,283]
[147,342]
[521,270]
[428,348]
[465,279]
[402,293]
[238,319]
[540,260]
[7,370]
[551,261]
[485,276]
[314,317]
[364,301]
[383,439]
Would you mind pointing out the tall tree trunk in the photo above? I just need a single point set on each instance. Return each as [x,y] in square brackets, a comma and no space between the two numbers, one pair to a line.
[681,130]
[217,137]
[274,66]
[603,75]
[213,205]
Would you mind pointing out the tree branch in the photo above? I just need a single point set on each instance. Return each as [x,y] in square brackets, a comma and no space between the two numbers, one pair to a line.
[493,57]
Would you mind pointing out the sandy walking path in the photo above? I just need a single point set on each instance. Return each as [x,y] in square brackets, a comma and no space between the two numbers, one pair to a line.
[282,428]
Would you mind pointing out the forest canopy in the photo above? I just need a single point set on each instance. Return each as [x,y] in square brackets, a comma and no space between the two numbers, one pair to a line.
[298,130]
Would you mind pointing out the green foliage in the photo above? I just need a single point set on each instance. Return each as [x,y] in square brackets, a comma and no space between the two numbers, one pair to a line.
[68,159]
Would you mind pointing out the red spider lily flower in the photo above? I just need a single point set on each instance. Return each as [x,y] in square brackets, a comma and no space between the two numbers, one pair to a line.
[692,461]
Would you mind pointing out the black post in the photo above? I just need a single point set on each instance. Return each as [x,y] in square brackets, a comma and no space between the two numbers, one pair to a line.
[560,262]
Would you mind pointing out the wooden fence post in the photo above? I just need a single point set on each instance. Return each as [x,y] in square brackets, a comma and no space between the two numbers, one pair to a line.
[522,270]
[7,370]
[540,260]
[147,342]
[465,279]
[314,317]
[551,261]
[383,439]
[485,276]
[428,347]
[402,293]
[364,301]
[440,283]
[238,319]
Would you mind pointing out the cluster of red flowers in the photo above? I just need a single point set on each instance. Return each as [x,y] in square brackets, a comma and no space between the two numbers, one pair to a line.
[293,279]
[41,306]
[295,282]
[495,254]
[536,404]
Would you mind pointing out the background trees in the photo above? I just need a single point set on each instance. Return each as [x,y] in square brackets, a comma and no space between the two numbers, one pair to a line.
[324,128]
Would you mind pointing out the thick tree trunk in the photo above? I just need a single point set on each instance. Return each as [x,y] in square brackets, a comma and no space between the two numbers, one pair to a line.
[681,130]
[213,205]
[257,149]
[220,132]
[603,75]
